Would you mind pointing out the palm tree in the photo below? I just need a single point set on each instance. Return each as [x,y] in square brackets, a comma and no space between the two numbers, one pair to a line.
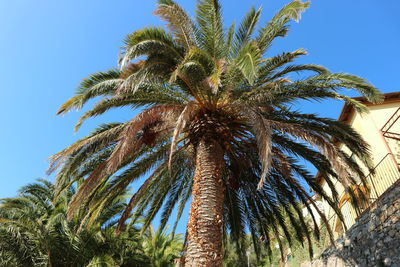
[161,248]
[216,125]
[34,231]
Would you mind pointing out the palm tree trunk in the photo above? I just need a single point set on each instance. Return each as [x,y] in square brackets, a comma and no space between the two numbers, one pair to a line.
[206,211]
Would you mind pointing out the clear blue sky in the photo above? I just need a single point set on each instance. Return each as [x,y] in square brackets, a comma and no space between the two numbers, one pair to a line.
[48,46]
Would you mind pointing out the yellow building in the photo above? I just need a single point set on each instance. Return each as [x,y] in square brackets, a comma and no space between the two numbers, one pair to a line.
[380,127]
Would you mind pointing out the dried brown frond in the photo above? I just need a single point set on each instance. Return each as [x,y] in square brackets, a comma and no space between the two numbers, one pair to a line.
[131,68]
[128,145]
[281,162]
[85,189]
[106,137]
[262,131]
[183,118]
[161,115]
[178,22]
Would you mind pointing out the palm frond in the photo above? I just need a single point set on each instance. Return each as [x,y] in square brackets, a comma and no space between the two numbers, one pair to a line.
[277,26]
[150,41]
[179,23]
[97,84]
[211,35]
[246,29]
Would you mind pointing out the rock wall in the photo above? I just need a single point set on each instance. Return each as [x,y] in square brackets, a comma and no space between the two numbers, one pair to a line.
[374,240]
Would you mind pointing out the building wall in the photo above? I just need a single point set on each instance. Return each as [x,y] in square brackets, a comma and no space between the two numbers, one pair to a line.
[369,125]
[380,114]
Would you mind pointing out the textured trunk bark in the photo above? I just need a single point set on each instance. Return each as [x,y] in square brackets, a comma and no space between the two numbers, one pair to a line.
[206,211]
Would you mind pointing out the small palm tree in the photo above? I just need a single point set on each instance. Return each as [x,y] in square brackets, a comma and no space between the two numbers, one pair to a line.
[216,125]
[162,248]
[34,231]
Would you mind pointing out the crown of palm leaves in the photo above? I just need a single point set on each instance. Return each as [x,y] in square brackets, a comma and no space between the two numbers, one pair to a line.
[195,79]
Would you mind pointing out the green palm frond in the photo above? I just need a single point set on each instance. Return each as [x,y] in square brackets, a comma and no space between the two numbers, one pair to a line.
[211,34]
[246,29]
[101,83]
[149,41]
[277,26]
[248,62]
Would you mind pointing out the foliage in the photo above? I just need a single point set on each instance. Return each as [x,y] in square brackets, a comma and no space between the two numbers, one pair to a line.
[197,79]
[34,232]
[294,255]
[298,253]
[162,248]
[233,259]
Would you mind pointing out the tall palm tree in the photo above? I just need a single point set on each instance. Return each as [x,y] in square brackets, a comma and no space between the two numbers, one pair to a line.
[217,126]
[34,231]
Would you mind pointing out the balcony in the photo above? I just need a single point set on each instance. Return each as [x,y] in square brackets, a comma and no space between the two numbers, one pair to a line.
[386,174]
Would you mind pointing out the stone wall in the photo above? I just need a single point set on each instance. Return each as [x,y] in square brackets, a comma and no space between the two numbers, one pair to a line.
[374,240]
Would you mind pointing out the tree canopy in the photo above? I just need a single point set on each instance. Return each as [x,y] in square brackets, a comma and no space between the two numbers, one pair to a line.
[217,122]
